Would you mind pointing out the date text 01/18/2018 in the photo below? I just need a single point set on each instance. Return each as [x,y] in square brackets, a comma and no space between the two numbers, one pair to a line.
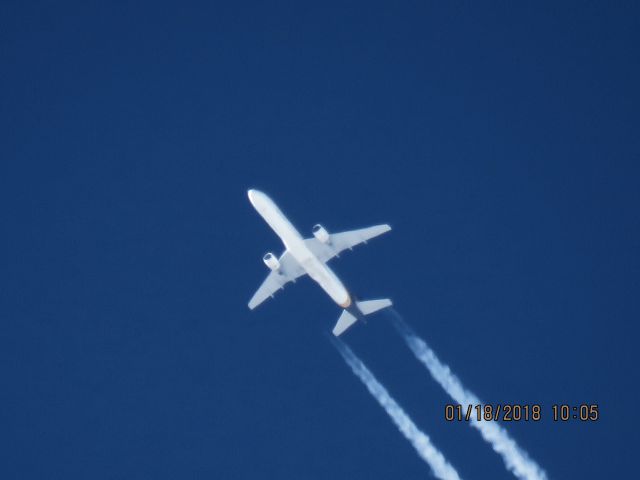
[516,412]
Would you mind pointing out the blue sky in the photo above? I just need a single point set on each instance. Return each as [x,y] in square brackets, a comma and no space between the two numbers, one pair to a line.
[500,142]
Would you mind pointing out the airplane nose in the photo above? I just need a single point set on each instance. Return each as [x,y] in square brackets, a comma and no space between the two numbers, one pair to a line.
[255,196]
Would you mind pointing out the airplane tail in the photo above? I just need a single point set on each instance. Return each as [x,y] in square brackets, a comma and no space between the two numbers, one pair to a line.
[365,307]
[371,306]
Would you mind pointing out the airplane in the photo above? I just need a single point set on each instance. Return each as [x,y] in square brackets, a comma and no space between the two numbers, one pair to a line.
[310,256]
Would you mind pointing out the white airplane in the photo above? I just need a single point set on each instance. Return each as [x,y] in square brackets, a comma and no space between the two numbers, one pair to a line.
[310,256]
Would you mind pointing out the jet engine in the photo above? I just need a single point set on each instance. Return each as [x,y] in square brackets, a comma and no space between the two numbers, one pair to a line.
[320,233]
[271,261]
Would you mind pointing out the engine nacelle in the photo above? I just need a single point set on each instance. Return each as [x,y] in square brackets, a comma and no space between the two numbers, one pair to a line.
[271,261]
[320,233]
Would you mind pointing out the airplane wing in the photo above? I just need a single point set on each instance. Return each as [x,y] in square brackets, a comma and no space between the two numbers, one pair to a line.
[289,270]
[341,241]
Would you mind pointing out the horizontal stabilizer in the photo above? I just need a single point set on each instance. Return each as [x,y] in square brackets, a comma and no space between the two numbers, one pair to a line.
[344,322]
[370,306]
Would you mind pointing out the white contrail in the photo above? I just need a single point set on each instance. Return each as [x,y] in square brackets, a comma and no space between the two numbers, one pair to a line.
[515,459]
[420,441]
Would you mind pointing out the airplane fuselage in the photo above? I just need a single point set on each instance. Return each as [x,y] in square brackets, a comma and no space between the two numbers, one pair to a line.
[293,241]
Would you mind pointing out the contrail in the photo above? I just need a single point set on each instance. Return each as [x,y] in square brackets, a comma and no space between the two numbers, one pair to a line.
[420,441]
[515,459]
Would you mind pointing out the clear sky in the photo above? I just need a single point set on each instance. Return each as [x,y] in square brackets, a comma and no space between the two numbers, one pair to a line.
[500,141]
